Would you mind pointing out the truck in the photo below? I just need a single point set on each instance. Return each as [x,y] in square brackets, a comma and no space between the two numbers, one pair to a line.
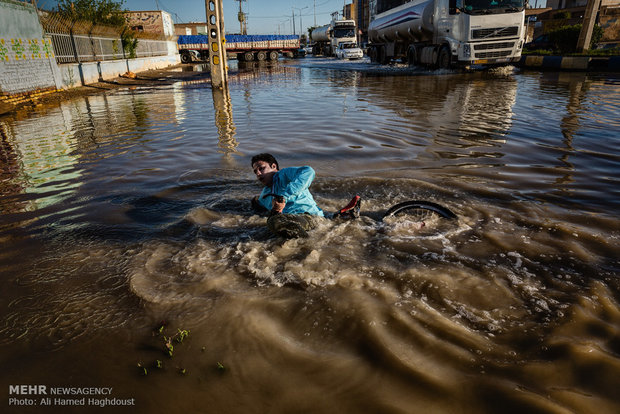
[447,33]
[326,38]
[245,47]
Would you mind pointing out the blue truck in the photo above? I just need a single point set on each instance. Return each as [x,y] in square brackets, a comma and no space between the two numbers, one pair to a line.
[245,47]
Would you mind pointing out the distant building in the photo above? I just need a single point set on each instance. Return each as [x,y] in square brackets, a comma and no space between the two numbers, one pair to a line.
[567,4]
[154,22]
[358,10]
[532,22]
[193,28]
[570,12]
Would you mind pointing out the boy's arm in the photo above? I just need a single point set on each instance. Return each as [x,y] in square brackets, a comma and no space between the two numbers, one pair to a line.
[295,181]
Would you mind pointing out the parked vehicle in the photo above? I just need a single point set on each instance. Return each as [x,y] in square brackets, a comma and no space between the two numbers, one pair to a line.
[542,42]
[348,50]
[443,33]
[300,53]
[326,38]
[245,47]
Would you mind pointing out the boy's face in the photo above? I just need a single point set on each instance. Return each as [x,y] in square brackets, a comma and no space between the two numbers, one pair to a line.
[264,172]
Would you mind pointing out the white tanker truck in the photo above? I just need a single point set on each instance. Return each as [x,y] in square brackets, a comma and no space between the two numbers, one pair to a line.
[326,38]
[443,33]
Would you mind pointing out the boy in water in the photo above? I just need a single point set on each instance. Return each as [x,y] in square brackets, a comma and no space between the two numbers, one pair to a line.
[286,196]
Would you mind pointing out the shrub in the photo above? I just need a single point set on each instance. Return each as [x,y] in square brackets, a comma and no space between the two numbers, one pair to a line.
[565,38]
[130,43]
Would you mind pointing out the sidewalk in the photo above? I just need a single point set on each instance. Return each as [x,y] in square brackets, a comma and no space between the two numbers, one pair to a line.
[585,63]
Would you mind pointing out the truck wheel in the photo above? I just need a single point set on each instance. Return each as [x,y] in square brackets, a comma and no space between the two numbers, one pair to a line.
[381,56]
[261,55]
[186,58]
[444,58]
[248,56]
[273,55]
[412,56]
[372,54]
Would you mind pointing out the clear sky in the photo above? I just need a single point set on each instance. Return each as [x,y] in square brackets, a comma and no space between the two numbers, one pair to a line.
[264,16]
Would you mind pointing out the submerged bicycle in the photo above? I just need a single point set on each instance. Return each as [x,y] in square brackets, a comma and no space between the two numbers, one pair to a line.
[412,211]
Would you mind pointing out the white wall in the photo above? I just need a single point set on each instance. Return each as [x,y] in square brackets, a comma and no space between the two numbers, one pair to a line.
[92,72]
[28,64]
[26,58]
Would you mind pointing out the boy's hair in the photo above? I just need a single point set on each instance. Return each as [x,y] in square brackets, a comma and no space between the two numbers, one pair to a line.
[268,158]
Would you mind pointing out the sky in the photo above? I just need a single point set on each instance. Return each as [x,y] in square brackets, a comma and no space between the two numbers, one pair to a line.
[264,16]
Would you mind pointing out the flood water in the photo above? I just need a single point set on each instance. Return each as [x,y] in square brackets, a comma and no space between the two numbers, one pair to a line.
[125,214]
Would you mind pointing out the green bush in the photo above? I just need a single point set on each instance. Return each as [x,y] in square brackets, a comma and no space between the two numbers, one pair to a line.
[130,43]
[565,38]
[562,15]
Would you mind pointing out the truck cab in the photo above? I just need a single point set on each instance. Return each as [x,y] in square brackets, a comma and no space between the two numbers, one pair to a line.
[444,33]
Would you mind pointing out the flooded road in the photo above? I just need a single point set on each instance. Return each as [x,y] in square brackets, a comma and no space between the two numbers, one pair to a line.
[125,221]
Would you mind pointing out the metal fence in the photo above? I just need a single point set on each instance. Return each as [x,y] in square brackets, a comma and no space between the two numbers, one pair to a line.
[76,42]
[147,47]
[70,48]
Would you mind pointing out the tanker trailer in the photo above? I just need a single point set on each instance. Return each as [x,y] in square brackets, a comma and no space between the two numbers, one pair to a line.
[326,38]
[445,33]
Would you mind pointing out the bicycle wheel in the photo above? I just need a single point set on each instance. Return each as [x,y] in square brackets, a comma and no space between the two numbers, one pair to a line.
[418,211]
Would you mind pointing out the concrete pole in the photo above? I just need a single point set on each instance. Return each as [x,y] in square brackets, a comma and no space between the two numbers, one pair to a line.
[217,44]
[314,13]
[589,18]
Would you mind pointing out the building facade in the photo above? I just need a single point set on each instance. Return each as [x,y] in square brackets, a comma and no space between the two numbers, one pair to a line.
[156,22]
[358,10]
[193,28]
[571,12]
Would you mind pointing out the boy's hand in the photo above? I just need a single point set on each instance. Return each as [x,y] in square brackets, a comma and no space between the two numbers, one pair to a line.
[277,204]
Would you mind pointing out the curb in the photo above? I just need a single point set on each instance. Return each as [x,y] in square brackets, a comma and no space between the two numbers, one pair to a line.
[605,63]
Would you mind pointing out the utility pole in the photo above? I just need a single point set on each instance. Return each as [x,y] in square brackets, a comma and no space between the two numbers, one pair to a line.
[301,29]
[293,10]
[243,19]
[314,13]
[589,18]
[217,44]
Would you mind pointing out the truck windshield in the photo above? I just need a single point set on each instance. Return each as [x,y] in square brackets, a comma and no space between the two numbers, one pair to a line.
[490,6]
[344,32]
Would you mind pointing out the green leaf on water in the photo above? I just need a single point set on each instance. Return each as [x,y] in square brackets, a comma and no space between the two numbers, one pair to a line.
[169,347]
[143,368]
[181,335]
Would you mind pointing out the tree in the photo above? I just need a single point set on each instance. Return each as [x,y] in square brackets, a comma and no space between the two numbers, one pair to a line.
[105,12]
[101,12]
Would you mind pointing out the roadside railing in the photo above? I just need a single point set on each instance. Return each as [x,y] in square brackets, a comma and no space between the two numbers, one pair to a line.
[70,48]
[79,41]
[148,47]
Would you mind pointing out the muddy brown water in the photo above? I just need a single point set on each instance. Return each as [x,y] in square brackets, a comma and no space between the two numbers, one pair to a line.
[124,211]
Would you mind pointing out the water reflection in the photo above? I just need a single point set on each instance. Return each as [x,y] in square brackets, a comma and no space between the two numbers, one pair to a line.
[41,161]
[586,104]
[224,121]
[478,111]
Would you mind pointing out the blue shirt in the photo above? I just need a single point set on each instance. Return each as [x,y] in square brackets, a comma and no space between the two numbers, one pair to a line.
[292,183]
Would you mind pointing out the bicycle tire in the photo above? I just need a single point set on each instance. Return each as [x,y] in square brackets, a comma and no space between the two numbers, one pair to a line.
[419,208]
